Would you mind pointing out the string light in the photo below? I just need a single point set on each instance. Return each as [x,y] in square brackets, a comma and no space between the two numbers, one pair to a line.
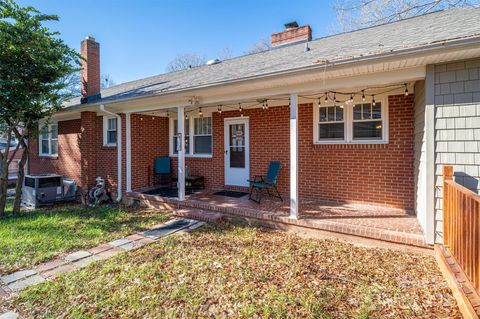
[406,89]
[240,107]
[373,99]
[168,113]
[326,97]
[319,102]
[363,95]
[351,98]
[266,104]
[200,113]
[219,109]
[186,116]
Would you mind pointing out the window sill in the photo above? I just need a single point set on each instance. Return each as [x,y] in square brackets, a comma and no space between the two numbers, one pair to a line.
[193,156]
[109,146]
[351,145]
[46,156]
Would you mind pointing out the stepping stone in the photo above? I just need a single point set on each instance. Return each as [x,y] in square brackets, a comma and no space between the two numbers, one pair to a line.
[168,228]
[86,261]
[8,279]
[50,265]
[3,292]
[24,283]
[9,315]
[58,271]
[77,255]
[128,246]
[120,242]
[110,253]
[135,237]
[100,249]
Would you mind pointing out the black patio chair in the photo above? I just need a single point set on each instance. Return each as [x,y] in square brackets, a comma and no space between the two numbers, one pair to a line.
[162,171]
[261,184]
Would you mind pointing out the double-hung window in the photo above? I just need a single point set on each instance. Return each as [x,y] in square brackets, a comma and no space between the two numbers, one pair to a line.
[367,121]
[331,124]
[202,135]
[198,136]
[355,123]
[110,131]
[49,140]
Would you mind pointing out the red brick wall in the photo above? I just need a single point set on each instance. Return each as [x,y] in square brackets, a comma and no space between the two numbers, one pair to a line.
[149,140]
[380,174]
[68,162]
[364,173]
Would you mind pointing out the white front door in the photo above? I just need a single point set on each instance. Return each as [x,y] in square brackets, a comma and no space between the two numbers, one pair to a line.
[237,153]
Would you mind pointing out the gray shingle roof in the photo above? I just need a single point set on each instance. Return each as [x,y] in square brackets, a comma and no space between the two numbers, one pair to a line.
[410,33]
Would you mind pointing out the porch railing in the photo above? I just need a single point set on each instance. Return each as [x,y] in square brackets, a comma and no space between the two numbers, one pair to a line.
[461,226]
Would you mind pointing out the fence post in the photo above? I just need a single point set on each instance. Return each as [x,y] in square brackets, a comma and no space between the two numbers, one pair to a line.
[447,176]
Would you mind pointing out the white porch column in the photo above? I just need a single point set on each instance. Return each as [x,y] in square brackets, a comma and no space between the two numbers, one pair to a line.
[293,156]
[128,150]
[181,152]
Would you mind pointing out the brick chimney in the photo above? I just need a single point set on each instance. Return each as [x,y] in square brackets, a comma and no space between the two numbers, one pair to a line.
[292,34]
[90,73]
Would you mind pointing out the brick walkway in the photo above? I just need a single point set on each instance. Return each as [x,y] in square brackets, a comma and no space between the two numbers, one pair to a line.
[14,282]
[374,222]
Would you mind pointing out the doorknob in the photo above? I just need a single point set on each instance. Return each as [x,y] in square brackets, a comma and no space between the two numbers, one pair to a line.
[226,151]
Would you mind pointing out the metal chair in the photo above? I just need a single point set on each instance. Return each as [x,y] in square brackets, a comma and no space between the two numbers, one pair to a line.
[162,170]
[261,184]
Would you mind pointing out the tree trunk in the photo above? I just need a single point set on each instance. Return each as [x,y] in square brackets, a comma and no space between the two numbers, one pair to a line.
[3,186]
[20,177]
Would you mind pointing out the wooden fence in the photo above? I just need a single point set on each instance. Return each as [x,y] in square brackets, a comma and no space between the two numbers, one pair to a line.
[461,226]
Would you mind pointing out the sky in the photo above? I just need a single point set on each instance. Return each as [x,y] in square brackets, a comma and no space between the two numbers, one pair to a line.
[139,38]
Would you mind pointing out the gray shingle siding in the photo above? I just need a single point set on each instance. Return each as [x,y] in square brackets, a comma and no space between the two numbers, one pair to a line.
[457,127]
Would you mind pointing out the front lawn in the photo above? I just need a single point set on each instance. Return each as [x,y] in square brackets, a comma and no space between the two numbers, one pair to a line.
[244,272]
[39,235]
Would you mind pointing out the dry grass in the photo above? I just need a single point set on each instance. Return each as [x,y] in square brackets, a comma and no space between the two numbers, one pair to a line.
[245,272]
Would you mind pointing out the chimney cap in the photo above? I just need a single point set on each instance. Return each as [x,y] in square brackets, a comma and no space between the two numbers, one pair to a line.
[89,37]
[291,25]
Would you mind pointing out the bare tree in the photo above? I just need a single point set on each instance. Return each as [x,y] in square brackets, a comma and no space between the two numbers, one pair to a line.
[260,46]
[106,81]
[356,14]
[186,61]
[73,83]
[225,53]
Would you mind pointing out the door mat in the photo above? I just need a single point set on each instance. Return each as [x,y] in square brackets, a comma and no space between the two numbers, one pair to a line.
[166,192]
[169,228]
[234,194]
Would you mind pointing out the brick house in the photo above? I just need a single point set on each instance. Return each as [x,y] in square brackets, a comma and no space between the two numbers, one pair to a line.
[367,116]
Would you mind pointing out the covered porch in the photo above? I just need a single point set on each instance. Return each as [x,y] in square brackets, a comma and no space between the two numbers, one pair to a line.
[347,155]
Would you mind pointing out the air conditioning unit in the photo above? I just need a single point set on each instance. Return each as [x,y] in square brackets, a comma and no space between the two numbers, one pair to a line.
[42,189]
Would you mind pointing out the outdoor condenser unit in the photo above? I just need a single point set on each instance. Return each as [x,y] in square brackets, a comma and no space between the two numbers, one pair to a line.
[42,190]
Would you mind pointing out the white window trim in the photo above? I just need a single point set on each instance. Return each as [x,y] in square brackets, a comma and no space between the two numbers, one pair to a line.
[40,139]
[191,131]
[348,123]
[105,130]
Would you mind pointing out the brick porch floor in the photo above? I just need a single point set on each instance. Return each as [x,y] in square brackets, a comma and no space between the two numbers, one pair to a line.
[375,222]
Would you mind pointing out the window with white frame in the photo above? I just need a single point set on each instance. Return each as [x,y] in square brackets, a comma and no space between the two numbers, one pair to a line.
[202,135]
[198,136]
[358,122]
[175,136]
[109,131]
[49,140]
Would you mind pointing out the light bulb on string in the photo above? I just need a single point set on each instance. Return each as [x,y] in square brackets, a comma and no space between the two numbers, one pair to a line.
[266,104]
[373,100]
[219,108]
[363,95]
[319,102]
[186,116]
[200,113]
[406,89]
[326,97]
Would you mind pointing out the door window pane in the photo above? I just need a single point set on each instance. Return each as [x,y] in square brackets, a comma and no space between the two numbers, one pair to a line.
[237,145]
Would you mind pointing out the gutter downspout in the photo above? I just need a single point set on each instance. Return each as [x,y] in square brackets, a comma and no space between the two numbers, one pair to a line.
[119,151]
